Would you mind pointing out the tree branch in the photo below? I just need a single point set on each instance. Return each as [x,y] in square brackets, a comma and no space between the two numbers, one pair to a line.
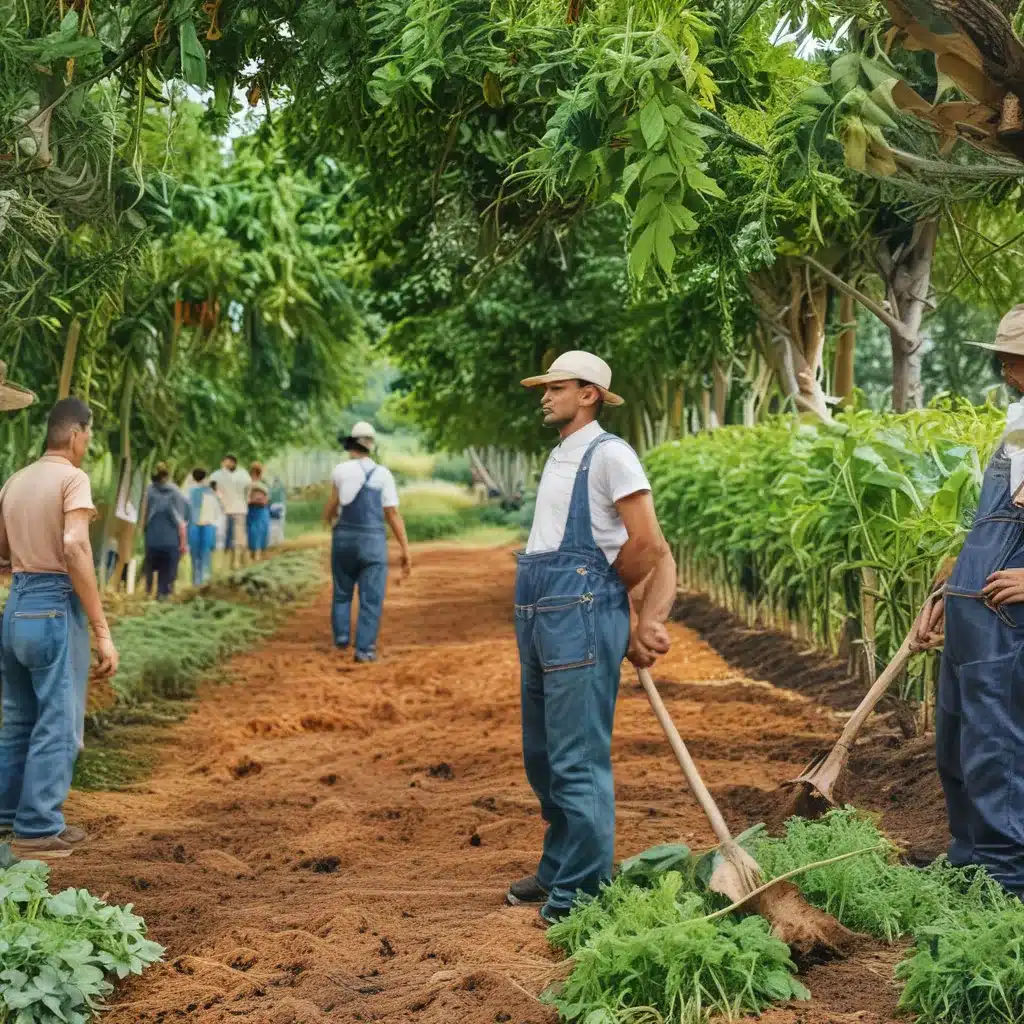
[894,324]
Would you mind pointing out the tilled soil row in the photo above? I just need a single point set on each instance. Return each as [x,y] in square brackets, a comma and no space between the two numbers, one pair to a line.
[329,842]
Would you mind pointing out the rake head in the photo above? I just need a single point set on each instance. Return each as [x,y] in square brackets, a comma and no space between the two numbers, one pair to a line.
[812,791]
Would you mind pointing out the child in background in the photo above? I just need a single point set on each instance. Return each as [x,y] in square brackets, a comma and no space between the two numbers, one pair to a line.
[205,511]
[258,517]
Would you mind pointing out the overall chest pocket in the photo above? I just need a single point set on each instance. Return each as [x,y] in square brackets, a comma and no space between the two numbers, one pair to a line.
[564,632]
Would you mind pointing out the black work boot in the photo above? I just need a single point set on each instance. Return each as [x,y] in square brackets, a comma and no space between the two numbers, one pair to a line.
[526,890]
[550,915]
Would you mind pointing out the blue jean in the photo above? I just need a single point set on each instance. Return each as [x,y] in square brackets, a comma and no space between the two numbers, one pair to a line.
[567,731]
[163,563]
[201,542]
[45,665]
[257,527]
[979,736]
[359,558]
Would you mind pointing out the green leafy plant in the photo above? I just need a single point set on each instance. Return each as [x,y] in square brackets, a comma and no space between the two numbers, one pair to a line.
[648,948]
[797,524]
[970,971]
[874,893]
[57,951]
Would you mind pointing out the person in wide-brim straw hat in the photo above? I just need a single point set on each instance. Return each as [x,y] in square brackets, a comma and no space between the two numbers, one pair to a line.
[977,615]
[595,543]
[13,396]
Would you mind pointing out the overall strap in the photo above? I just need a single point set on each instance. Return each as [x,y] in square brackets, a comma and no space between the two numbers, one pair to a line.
[366,480]
[579,533]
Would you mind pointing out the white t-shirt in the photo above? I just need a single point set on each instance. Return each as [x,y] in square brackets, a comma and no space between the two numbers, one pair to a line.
[233,490]
[348,477]
[615,473]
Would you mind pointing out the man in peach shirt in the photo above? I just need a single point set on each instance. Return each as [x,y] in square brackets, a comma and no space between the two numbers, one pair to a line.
[45,511]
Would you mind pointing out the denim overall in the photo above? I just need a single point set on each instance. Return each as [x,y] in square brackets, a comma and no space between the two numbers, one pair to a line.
[979,720]
[45,663]
[572,628]
[359,557]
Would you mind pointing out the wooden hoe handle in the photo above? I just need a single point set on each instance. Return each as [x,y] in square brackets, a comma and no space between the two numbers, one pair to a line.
[695,782]
[874,695]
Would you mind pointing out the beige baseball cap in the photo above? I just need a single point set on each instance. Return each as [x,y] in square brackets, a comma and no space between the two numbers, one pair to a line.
[578,365]
[1009,335]
[362,433]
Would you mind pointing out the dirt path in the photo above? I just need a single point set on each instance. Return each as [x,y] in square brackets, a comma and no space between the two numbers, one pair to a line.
[327,842]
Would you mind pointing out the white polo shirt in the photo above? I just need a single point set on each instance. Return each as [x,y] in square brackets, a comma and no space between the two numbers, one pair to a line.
[348,477]
[615,473]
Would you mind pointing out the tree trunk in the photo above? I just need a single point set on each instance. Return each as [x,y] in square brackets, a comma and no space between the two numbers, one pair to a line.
[842,374]
[721,377]
[707,416]
[676,427]
[68,365]
[782,349]
[814,328]
[908,273]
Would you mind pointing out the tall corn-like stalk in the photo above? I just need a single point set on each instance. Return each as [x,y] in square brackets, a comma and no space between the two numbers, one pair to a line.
[831,532]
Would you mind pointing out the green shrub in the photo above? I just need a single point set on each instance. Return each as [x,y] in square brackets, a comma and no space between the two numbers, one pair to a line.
[279,580]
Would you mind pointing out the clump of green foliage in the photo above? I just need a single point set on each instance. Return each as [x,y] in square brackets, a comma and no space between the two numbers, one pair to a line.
[649,948]
[874,893]
[890,492]
[56,951]
[968,971]
[283,579]
[164,650]
[644,947]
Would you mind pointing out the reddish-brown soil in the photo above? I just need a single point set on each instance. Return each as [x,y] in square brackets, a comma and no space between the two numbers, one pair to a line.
[329,842]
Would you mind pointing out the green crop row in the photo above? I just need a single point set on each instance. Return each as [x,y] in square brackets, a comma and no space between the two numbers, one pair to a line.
[832,531]
[645,952]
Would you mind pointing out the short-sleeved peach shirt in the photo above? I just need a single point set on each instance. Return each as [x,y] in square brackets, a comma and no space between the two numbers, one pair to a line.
[33,504]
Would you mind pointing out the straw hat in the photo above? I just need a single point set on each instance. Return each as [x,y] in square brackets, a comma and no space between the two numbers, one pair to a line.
[1010,334]
[13,396]
[362,434]
[577,365]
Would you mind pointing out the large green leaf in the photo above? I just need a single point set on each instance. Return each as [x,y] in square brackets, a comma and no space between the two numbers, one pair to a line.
[193,56]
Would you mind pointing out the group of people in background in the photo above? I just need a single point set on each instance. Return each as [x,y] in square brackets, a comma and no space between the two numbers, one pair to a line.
[180,521]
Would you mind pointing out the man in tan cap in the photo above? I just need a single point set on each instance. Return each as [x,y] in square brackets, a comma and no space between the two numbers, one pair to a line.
[595,551]
[363,498]
[979,716]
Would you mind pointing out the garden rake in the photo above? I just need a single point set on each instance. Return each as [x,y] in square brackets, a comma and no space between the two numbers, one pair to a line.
[816,785]
[738,876]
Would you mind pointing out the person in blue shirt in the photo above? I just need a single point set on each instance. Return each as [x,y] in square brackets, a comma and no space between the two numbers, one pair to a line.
[204,512]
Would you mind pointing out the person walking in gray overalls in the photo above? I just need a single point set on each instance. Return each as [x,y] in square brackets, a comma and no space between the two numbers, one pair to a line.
[363,498]
[596,583]
[979,715]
